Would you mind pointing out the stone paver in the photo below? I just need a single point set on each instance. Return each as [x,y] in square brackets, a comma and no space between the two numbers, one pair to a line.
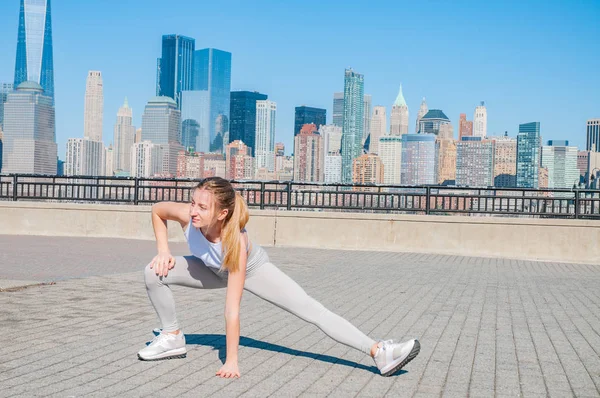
[488,327]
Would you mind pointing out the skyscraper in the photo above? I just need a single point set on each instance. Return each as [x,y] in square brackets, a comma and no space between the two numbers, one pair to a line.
[124,137]
[109,161]
[239,161]
[582,161]
[367,169]
[195,120]
[505,161]
[593,135]
[174,69]
[480,121]
[422,111]
[306,115]
[528,155]
[308,155]
[418,159]
[378,128]
[212,73]
[332,159]
[34,61]
[29,144]
[561,161]
[5,89]
[390,153]
[333,168]
[399,117]
[279,149]
[446,161]
[367,117]
[265,135]
[145,159]
[338,109]
[353,122]
[214,165]
[85,157]
[242,124]
[93,107]
[465,127]
[284,167]
[161,123]
[436,122]
[190,164]
[475,162]
[332,136]
[60,167]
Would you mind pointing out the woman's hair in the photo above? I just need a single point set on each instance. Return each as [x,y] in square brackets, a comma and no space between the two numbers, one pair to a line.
[227,198]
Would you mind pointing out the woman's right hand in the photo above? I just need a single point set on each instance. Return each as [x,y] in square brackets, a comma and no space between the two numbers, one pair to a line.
[162,263]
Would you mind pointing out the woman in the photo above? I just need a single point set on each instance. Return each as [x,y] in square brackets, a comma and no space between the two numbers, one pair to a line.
[223,257]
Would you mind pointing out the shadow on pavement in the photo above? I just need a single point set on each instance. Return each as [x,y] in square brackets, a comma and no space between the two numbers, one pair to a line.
[217,341]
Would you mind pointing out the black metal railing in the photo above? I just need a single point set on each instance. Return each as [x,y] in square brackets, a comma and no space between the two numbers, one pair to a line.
[289,195]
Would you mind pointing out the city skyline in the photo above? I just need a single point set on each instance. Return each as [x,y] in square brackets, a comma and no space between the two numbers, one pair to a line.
[453,89]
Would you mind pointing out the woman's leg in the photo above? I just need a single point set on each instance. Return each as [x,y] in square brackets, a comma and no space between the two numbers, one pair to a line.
[188,271]
[271,284]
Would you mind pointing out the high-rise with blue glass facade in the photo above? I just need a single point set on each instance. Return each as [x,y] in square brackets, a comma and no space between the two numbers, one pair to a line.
[212,73]
[418,159]
[352,130]
[195,107]
[34,46]
[174,69]
[242,123]
[306,115]
[528,155]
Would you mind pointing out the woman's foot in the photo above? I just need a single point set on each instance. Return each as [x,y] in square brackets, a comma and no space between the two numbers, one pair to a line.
[164,346]
[391,357]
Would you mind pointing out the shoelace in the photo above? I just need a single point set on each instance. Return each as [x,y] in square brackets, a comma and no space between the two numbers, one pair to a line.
[157,339]
[386,343]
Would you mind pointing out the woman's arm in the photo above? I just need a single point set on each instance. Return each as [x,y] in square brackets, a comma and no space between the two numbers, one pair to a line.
[235,288]
[161,212]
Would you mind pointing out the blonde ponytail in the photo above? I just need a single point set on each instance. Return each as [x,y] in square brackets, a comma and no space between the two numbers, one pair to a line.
[231,234]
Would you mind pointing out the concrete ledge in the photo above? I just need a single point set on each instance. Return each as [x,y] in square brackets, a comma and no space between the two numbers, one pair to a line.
[518,238]
[528,239]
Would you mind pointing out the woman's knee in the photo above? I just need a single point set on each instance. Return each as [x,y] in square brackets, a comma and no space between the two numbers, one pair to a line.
[150,276]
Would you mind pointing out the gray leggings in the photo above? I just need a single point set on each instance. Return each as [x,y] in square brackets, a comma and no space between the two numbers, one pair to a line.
[267,282]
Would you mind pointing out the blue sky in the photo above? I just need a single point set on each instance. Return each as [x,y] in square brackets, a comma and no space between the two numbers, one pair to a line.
[529,61]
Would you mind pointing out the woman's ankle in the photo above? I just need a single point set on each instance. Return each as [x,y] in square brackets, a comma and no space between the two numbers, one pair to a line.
[374,348]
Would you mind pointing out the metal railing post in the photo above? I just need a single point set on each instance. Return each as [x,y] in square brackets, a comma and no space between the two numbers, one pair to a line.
[427,199]
[577,215]
[136,187]
[15,180]
[289,195]
[262,195]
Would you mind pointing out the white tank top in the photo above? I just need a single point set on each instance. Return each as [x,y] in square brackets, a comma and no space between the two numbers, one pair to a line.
[212,256]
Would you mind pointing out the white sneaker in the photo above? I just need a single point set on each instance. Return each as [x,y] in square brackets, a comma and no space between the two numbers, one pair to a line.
[164,346]
[391,357]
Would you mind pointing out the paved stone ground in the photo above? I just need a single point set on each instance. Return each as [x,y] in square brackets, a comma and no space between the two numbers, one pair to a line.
[488,327]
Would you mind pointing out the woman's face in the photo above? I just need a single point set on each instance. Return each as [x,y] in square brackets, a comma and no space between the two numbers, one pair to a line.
[202,208]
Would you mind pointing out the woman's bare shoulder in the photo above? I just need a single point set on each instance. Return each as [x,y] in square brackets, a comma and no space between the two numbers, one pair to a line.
[174,211]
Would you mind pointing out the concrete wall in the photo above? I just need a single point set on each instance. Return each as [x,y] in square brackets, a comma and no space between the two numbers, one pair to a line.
[528,239]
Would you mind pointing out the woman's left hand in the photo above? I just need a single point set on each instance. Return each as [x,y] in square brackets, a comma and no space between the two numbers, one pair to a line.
[229,370]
